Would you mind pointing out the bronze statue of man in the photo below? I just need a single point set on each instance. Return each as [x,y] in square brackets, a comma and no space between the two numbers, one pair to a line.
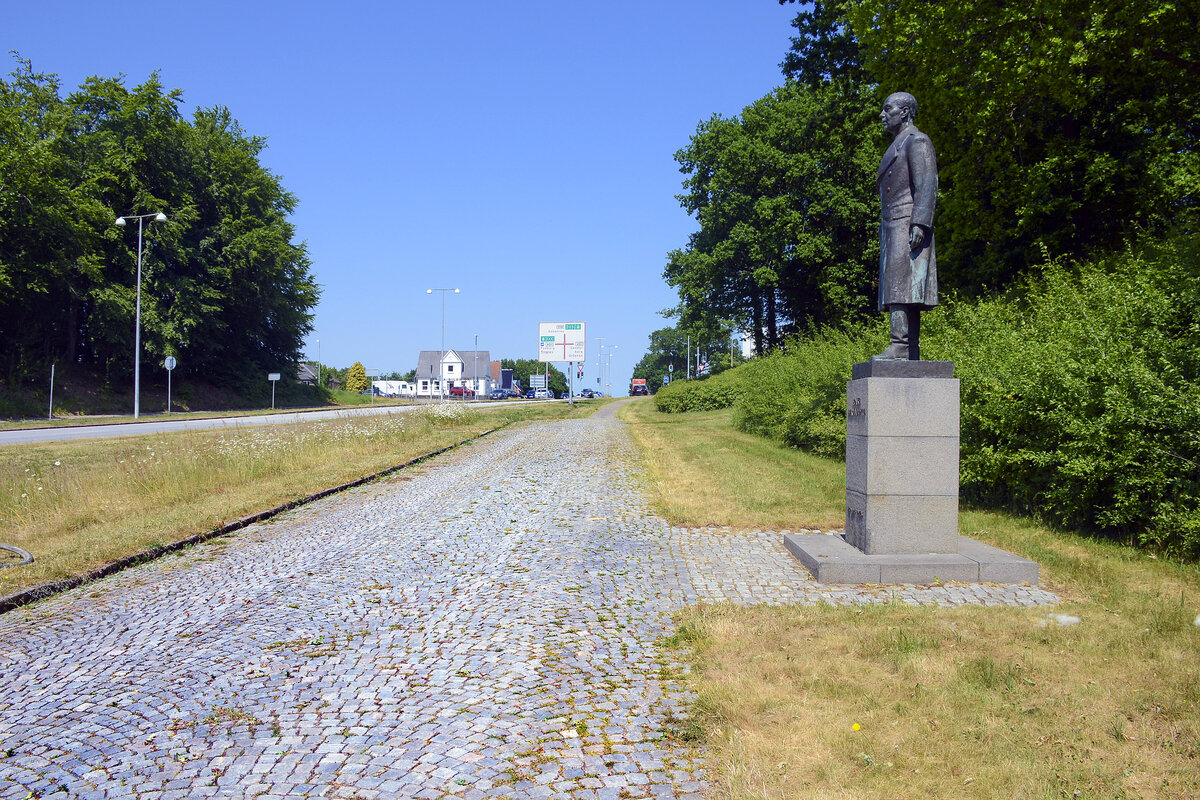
[908,191]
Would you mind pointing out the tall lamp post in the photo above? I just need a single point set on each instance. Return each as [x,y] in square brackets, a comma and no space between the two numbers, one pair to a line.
[601,365]
[599,361]
[137,329]
[318,363]
[442,353]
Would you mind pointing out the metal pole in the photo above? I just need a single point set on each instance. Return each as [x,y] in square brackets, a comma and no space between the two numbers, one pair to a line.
[318,363]
[475,369]
[137,330]
[50,416]
[169,391]
[442,356]
[599,358]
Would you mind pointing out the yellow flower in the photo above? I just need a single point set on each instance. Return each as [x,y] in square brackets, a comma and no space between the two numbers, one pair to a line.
[855,727]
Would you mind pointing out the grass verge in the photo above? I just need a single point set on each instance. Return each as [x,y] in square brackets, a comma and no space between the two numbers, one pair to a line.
[703,472]
[82,504]
[897,701]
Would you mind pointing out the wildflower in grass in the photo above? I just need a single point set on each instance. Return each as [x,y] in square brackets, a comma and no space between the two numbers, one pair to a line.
[856,727]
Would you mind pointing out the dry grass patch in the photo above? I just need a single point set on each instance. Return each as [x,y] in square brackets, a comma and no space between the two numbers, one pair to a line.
[968,702]
[703,472]
[78,505]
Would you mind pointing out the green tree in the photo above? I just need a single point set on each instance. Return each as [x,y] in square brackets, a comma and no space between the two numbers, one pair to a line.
[1069,125]
[670,348]
[524,367]
[223,285]
[786,200]
[356,378]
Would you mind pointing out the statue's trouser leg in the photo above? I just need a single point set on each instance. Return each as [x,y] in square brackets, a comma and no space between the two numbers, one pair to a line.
[906,332]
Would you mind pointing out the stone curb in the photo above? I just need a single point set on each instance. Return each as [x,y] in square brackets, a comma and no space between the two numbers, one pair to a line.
[36,593]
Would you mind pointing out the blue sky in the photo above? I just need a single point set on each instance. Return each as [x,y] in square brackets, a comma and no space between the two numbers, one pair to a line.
[519,151]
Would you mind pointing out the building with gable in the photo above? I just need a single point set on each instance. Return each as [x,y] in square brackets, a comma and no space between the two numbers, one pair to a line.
[471,369]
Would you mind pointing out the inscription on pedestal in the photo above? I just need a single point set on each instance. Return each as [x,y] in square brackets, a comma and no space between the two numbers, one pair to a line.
[856,530]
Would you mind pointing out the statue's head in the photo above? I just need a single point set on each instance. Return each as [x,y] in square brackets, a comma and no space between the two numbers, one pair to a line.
[899,109]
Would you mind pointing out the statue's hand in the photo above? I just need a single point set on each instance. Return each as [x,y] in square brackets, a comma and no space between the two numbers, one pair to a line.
[916,237]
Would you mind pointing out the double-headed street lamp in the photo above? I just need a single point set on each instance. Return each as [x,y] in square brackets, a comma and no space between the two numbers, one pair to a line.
[442,353]
[137,330]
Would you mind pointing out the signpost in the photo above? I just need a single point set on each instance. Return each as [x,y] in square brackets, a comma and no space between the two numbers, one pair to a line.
[372,373]
[563,341]
[272,377]
[169,362]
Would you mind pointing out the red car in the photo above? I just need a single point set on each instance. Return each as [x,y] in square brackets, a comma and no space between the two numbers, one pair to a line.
[461,391]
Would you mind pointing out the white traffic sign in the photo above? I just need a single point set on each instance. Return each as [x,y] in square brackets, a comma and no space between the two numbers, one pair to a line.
[562,341]
[169,362]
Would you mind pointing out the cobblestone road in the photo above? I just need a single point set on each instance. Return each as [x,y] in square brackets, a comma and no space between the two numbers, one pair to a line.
[484,627]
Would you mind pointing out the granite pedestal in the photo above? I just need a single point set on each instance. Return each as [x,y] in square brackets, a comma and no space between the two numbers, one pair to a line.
[902,438]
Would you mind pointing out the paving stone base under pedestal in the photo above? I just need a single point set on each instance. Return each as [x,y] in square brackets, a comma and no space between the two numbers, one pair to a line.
[831,559]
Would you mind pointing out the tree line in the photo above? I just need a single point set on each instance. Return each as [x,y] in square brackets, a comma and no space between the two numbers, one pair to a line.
[1064,128]
[225,288]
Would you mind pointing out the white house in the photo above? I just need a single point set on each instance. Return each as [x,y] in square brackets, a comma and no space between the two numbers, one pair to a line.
[467,368]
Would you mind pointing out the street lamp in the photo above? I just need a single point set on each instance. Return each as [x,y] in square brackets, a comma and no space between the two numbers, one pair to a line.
[600,363]
[599,360]
[442,353]
[137,329]
[318,363]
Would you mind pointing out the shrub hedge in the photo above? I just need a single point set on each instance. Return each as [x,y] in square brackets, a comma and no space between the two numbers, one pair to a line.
[708,394]
[1080,394]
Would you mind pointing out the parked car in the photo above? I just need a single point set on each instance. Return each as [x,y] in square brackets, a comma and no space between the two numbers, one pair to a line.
[638,390]
[543,394]
[500,394]
[530,394]
[587,393]
[461,391]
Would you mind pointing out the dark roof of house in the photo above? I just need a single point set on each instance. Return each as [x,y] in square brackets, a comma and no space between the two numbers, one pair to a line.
[305,372]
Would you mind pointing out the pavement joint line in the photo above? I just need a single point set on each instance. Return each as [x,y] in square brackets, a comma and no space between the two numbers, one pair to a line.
[36,593]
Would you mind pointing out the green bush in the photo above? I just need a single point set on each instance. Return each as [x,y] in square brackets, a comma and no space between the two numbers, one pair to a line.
[707,394]
[798,395]
[1080,394]
[1080,402]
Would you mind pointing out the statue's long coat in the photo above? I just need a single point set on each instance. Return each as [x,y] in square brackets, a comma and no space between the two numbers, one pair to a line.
[908,192]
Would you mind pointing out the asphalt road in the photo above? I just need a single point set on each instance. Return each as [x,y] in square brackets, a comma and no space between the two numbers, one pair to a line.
[171,425]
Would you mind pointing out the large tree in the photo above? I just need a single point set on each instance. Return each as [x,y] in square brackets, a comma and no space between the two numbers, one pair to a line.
[524,367]
[1062,126]
[224,287]
[785,199]
[670,350]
